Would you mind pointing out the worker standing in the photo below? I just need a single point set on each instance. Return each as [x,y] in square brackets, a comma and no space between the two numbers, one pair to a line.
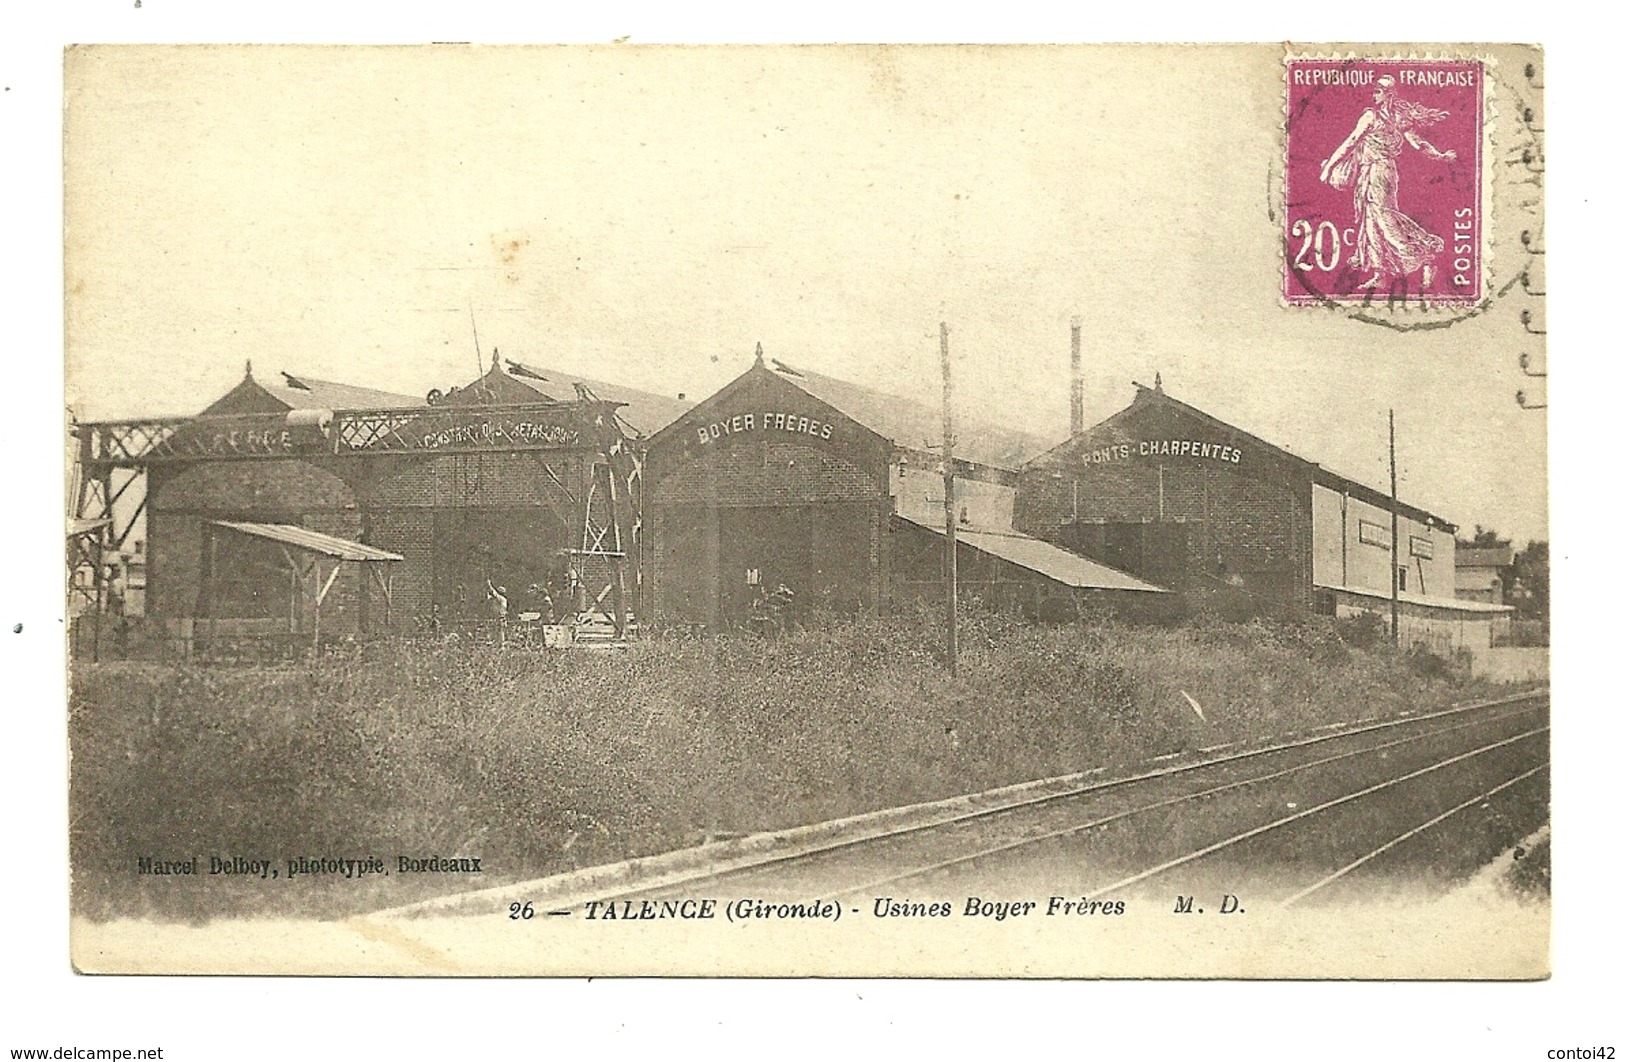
[497,596]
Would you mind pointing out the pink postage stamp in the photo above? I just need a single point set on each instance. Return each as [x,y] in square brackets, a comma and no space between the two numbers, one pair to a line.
[1384,181]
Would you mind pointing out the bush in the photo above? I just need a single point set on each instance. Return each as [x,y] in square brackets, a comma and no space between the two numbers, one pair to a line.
[1530,875]
[541,761]
[1363,630]
[1427,664]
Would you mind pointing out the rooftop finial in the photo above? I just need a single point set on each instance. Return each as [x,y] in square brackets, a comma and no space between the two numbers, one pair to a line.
[1158,382]
[758,352]
[248,369]
[493,358]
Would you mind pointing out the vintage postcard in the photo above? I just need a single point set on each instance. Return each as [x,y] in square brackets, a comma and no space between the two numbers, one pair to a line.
[955,511]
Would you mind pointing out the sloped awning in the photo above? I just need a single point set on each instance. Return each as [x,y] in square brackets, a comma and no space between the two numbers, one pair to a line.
[312,541]
[1039,556]
[1443,604]
[306,552]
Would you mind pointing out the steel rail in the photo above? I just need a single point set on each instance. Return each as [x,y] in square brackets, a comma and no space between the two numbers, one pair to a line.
[1408,834]
[1097,787]
[1296,816]
[1106,820]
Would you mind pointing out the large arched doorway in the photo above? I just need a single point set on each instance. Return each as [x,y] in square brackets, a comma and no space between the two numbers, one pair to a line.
[512,548]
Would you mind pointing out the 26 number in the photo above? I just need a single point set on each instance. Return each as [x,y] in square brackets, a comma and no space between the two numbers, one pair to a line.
[1324,238]
[518,911]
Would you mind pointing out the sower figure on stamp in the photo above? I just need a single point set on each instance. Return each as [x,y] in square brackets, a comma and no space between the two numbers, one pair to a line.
[1387,241]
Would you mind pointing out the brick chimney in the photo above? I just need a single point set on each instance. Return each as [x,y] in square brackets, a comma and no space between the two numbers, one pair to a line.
[1077,376]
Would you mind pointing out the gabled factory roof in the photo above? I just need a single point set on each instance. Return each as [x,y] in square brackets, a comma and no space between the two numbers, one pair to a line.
[643,412]
[1447,604]
[914,425]
[285,392]
[1148,398]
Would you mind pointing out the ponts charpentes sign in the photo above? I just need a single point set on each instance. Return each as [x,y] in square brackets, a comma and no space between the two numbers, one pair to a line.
[1186,449]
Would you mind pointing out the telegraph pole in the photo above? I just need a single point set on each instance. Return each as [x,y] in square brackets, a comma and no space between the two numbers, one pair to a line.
[951,520]
[1393,534]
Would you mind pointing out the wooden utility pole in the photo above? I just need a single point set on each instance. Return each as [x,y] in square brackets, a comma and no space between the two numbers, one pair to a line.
[950,518]
[1393,534]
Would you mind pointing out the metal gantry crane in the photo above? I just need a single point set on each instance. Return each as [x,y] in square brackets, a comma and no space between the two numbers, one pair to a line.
[111,460]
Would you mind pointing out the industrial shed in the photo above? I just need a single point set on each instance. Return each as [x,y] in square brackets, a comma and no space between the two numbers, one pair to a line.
[787,476]
[521,478]
[1241,526]
[619,507]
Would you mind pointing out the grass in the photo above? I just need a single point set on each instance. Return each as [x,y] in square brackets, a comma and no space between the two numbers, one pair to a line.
[539,762]
[1529,878]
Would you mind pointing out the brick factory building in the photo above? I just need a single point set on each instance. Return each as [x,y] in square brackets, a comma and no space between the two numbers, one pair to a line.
[1243,527]
[301,508]
[786,476]
[298,508]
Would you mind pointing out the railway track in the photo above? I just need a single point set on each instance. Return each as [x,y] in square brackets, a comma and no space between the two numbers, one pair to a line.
[1262,816]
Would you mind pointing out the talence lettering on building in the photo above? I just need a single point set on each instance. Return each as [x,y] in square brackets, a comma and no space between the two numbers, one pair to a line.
[746,422]
[252,436]
[252,442]
[1145,448]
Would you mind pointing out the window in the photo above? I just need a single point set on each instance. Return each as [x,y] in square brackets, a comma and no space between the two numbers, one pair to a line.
[1402,574]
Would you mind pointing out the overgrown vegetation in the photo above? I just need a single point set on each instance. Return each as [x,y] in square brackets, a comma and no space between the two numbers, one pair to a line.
[540,761]
[1530,876]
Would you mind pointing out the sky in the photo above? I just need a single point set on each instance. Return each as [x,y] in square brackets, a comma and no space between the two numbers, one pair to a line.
[647,215]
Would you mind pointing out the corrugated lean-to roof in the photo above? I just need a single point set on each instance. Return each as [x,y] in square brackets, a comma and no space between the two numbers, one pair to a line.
[314,541]
[1047,560]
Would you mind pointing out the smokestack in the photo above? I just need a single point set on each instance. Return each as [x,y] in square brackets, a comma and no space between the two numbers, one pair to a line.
[1077,376]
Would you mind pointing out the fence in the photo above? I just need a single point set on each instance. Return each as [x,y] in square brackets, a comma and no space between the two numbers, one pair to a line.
[103,637]
[1523,633]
